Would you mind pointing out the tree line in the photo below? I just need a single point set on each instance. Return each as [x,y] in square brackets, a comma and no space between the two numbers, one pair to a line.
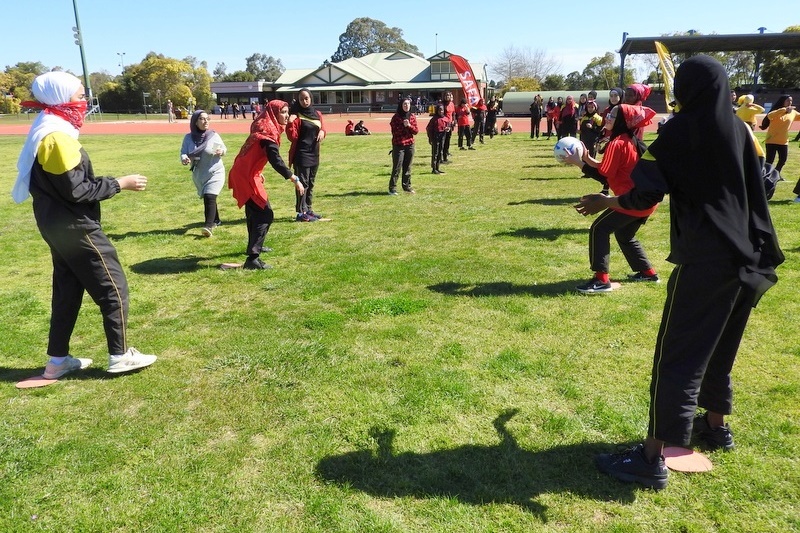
[187,82]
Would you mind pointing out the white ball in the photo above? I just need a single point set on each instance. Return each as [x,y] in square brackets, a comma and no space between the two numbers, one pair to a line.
[567,143]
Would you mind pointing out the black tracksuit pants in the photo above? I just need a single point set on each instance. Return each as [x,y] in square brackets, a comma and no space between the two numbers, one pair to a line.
[704,317]
[85,260]
[624,228]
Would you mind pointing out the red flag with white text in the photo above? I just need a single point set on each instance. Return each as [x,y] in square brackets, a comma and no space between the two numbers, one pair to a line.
[472,91]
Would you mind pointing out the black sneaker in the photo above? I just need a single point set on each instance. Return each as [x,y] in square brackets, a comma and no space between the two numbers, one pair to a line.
[712,438]
[255,264]
[632,467]
[641,276]
[594,285]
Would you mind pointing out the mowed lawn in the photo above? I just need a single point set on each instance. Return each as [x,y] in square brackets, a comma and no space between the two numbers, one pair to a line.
[418,363]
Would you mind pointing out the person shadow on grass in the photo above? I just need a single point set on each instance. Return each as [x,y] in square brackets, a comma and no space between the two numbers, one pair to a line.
[476,474]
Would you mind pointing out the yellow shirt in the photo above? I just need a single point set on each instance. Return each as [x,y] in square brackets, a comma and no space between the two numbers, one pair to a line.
[748,113]
[779,123]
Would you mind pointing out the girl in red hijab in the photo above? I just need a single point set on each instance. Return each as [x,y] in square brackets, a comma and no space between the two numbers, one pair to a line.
[247,181]
[622,154]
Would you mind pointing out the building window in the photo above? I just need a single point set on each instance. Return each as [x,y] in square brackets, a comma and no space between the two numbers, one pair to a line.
[442,70]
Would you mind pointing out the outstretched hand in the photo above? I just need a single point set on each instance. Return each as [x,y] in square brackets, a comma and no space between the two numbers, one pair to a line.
[591,204]
[132,182]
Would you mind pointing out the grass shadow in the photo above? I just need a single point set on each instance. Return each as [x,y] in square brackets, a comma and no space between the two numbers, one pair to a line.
[476,474]
[352,194]
[546,234]
[547,201]
[169,265]
[503,288]
[14,375]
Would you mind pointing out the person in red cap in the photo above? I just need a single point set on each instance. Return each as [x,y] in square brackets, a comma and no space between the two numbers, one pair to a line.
[621,155]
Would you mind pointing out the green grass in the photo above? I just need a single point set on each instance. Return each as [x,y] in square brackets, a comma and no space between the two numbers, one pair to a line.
[419,363]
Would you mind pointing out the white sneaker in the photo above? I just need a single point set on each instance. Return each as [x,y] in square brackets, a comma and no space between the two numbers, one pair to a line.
[70,364]
[133,359]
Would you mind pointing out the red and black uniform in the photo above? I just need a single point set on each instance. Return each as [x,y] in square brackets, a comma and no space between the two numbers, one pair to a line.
[463,118]
[304,153]
[402,147]
[247,181]
[437,130]
[450,113]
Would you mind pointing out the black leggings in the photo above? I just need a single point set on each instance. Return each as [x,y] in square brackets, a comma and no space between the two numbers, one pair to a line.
[782,150]
[258,223]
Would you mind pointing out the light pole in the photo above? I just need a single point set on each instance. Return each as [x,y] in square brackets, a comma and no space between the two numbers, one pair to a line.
[121,59]
[79,42]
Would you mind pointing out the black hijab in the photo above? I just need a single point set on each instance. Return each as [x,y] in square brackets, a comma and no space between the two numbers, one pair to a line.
[199,137]
[708,156]
[402,112]
[309,112]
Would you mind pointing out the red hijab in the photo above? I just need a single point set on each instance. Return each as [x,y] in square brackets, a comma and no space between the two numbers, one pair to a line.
[245,176]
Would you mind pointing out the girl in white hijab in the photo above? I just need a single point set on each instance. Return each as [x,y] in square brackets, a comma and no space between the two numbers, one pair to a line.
[56,171]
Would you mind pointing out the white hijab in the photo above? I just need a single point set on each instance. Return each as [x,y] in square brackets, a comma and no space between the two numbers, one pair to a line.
[51,88]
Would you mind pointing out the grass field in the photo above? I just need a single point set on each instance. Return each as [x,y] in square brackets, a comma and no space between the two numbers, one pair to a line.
[419,363]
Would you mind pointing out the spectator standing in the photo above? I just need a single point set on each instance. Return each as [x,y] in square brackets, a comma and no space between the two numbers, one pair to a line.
[568,119]
[437,129]
[492,108]
[450,113]
[591,127]
[463,119]
[536,116]
[306,131]
[551,109]
[404,127]
[479,120]
[170,111]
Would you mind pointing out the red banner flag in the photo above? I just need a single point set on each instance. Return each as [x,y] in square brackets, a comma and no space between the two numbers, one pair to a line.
[470,85]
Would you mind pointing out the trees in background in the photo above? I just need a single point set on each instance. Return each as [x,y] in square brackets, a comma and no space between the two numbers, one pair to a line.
[368,36]
[187,82]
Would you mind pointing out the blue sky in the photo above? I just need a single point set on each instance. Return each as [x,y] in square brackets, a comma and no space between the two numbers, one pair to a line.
[572,33]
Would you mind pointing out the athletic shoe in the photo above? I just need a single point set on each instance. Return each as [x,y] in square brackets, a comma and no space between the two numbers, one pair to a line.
[594,285]
[54,371]
[471,148]
[392,193]
[255,264]
[410,190]
[305,217]
[133,359]
[631,466]
[797,200]
[641,276]
[461,148]
[434,171]
[313,214]
[712,438]
[207,232]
